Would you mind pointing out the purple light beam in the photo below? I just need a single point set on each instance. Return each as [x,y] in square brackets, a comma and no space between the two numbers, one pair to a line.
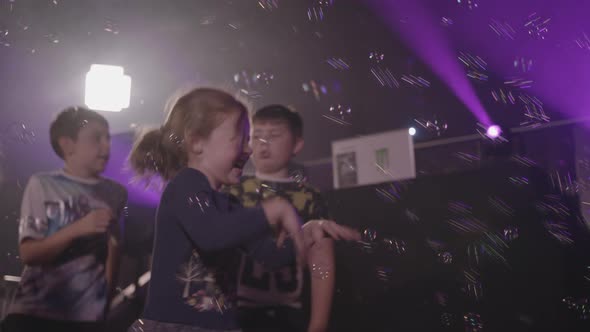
[417,26]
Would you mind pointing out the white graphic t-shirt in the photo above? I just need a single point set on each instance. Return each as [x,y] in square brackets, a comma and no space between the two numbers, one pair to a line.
[73,287]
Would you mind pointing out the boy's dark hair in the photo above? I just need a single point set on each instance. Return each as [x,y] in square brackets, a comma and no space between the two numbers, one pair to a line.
[281,113]
[68,124]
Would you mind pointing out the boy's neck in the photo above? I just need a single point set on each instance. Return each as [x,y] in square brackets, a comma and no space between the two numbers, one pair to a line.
[280,176]
[80,172]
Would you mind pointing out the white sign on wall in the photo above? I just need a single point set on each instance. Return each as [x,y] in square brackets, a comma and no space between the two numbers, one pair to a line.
[372,159]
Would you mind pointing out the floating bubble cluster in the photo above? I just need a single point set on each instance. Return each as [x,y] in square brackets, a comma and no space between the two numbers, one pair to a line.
[385,77]
[470,4]
[502,29]
[338,63]
[579,306]
[268,5]
[473,322]
[315,88]
[200,200]
[339,114]
[415,81]
[434,126]
[376,57]
[476,66]
[445,21]
[537,26]
[18,133]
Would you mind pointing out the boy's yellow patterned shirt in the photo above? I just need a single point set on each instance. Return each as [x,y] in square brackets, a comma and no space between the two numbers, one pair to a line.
[305,198]
[257,286]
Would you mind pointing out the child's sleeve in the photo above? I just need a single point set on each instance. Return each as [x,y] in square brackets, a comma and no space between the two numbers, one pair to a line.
[245,228]
[33,223]
[210,229]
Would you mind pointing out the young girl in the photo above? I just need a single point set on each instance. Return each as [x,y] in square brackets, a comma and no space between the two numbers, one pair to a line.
[199,230]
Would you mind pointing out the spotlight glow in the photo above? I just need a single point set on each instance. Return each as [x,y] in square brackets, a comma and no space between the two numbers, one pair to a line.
[412,131]
[493,131]
[107,88]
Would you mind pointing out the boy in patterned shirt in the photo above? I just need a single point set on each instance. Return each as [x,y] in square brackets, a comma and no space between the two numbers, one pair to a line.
[282,300]
[68,233]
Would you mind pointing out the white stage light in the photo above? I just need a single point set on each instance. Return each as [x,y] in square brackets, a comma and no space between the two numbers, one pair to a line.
[107,88]
[494,131]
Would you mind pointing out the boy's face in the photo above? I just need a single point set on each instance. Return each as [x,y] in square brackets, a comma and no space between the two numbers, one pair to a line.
[90,151]
[273,145]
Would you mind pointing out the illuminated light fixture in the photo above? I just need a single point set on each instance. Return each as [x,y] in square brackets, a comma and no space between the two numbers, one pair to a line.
[493,131]
[412,131]
[107,88]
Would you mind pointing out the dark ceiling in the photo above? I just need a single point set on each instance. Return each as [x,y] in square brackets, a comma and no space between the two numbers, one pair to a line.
[166,45]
